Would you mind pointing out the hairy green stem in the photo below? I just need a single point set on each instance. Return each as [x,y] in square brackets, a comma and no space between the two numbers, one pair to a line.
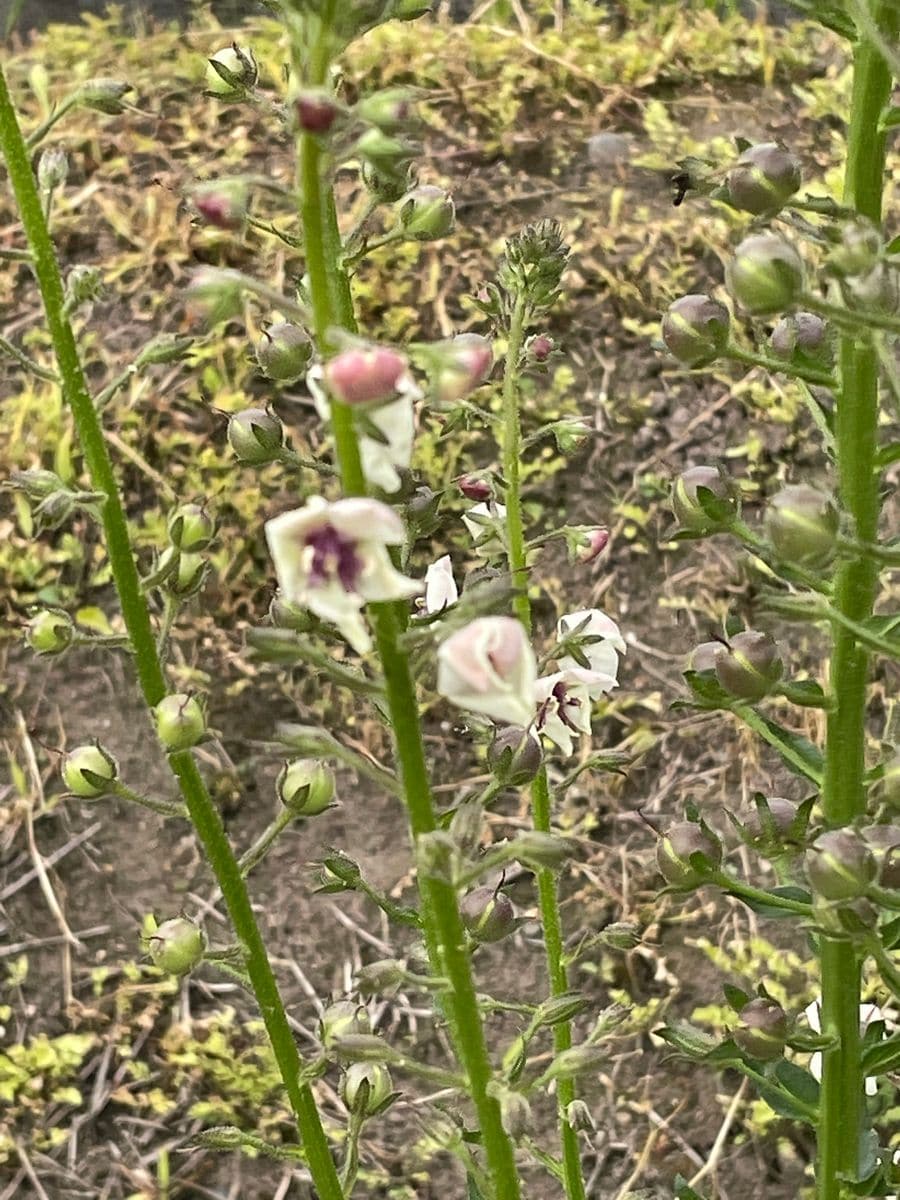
[512,450]
[779,366]
[202,812]
[843,797]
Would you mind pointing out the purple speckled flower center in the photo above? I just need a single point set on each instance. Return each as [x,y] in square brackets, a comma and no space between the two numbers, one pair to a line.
[334,557]
[563,699]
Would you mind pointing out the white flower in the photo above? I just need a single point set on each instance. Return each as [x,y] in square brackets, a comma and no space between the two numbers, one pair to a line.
[602,654]
[564,704]
[440,586]
[381,460]
[489,667]
[867,1014]
[484,523]
[332,559]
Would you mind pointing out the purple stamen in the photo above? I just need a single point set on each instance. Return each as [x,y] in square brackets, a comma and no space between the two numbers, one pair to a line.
[560,695]
[333,556]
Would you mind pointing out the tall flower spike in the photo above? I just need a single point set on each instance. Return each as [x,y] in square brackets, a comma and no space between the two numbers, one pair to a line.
[333,559]
[488,667]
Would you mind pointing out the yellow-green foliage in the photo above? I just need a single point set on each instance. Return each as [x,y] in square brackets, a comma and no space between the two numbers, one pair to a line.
[39,1072]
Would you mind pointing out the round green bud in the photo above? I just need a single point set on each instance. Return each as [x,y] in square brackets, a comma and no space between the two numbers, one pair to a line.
[751,666]
[515,755]
[190,527]
[763,179]
[765,275]
[426,214]
[802,524]
[180,721]
[177,946]
[767,830]
[704,514]
[344,1018]
[230,71]
[487,914]
[802,331]
[306,787]
[840,865]
[256,436]
[884,842]
[763,1030]
[695,329]
[677,846]
[50,631]
[387,155]
[366,1088]
[284,352]
[386,186]
[88,771]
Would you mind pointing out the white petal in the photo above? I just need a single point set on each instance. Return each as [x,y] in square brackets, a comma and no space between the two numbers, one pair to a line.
[367,520]
[331,603]
[380,460]
[489,667]
[598,625]
[440,586]
[379,579]
[482,522]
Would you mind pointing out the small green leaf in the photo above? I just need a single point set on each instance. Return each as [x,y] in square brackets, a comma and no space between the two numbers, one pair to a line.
[684,1191]
[735,996]
[798,752]
[882,1057]
[890,119]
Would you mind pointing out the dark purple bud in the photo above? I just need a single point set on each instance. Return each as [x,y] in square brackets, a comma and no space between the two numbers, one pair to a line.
[839,865]
[315,111]
[515,755]
[884,842]
[704,500]
[223,203]
[803,331]
[802,525]
[284,351]
[763,1030]
[487,915]
[695,329]
[763,179]
[676,848]
[539,348]
[765,275]
[474,488]
[751,665]
[256,436]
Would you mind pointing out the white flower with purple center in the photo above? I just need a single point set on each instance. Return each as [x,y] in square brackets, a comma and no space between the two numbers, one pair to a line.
[488,667]
[383,457]
[564,702]
[333,560]
[602,649]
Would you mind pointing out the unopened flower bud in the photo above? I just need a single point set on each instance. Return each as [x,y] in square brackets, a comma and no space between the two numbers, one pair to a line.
[380,978]
[703,657]
[579,1117]
[859,249]
[231,72]
[36,483]
[391,110]
[366,376]
[803,331]
[222,203]
[52,169]
[802,525]
[177,946]
[620,935]
[487,914]
[256,436]
[704,500]
[592,545]
[426,213]
[290,616]
[765,275]
[570,1063]
[515,756]
[763,1030]
[884,842]
[767,827]
[888,786]
[557,1009]
[83,284]
[366,1088]
[386,186]
[539,348]
[315,111]
[695,329]
[751,665]
[88,771]
[50,631]
[475,488]
[878,290]
[343,1019]
[839,865]
[190,527]
[284,352]
[542,850]
[180,721]
[388,156]
[184,574]
[465,363]
[217,292]
[515,1112]
[763,179]
[306,787]
[675,850]
[104,95]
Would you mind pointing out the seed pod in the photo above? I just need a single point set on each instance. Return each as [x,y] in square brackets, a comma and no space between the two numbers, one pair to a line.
[766,274]
[231,72]
[344,1018]
[50,631]
[104,95]
[763,179]
[878,290]
[704,513]
[802,524]
[306,786]
[802,331]
[676,848]
[52,169]
[284,352]
[515,1113]
[751,666]
[180,721]
[884,842]
[839,865]
[426,214]
[859,249]
[88,771]
[190,528]
[177,946]
[256,436]
[695,329]
[515,756]
[542,850]
[763,1030]
[380,978]
[366,1088]
[488,915]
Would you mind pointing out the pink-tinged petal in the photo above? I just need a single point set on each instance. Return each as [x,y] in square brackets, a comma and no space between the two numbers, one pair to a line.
[365,376]
[488,667]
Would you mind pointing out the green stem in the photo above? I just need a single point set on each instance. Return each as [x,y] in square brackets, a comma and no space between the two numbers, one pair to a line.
[743,891]
[843,795]
[512,451]
[37,136]
[780,366]
[24,361]
[203,814]
[252,857]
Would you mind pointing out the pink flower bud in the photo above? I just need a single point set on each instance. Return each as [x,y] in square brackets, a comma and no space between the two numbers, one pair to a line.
[223,204]
[539,348]
[316,112]
[365,376]
[466,364]
[474,488]
[594,544]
